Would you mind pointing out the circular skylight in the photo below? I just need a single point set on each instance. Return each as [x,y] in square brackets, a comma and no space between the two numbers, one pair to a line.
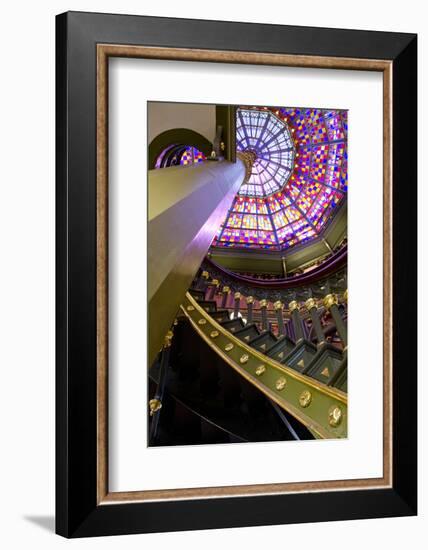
[268,140]
[296,176]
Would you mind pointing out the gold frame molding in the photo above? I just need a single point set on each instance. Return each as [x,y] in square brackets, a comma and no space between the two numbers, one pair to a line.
[104,52]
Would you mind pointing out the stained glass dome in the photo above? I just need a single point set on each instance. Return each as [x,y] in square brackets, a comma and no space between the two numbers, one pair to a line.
[267,138]
[297,177]
[176,155]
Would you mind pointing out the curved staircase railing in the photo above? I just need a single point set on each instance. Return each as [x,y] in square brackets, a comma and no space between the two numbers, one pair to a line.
[285,350]
[319,407]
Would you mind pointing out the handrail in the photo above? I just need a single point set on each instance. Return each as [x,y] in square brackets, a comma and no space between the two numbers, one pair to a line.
[330,266]
[322,409]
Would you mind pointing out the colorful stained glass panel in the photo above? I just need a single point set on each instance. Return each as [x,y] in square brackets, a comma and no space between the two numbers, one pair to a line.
[298,180]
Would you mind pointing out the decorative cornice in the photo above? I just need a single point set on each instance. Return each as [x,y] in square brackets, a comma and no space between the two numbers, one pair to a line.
[331,266]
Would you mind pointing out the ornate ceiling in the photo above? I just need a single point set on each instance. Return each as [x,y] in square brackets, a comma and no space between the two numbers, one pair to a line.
[296,176]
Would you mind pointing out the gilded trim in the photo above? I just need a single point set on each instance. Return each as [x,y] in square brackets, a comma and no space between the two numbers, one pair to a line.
[102,270]
[387,273]
[318,431]
[283,369]
[243,58]
[104,51]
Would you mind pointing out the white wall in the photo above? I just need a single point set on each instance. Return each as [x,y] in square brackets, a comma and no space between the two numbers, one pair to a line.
[27,274]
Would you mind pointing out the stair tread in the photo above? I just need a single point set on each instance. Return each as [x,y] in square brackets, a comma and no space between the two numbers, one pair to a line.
[197,293]
[233,325]
[247,333]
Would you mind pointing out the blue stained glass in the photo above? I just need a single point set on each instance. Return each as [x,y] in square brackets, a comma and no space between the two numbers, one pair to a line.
[268,138]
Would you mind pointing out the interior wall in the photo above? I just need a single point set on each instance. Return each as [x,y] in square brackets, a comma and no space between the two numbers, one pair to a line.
[166,116]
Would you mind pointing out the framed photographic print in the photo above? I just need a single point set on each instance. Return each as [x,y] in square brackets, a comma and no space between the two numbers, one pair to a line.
[236,247]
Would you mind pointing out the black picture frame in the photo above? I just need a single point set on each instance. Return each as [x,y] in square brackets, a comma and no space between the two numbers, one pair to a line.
[78,513]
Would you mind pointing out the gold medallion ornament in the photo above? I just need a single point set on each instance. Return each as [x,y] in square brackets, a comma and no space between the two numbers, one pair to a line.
[190,308]
[250,299]
[154,405]
[280,383]
[330,300]
[168,338]
[244,358]
[202,321]
[226,289]
[214,334]
[205,275]
[305,399]
[228,346]
[263,303]
[278,305]
[293,305]
[261,369]
[335,416]
[310,304]
[237,295]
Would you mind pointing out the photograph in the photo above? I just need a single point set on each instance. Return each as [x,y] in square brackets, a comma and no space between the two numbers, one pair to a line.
[251,292]
[213,257]
[236,244]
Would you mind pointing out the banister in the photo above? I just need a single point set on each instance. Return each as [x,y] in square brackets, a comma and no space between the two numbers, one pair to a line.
[320,408]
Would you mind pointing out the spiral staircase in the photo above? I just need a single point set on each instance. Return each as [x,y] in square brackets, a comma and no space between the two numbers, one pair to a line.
[241,368]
